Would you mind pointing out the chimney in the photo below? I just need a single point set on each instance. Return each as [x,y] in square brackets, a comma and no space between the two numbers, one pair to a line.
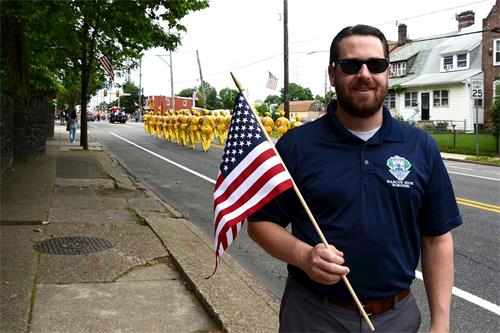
[401,34]
[465,19]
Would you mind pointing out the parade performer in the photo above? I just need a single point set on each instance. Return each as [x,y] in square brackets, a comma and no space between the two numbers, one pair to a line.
[222,127]
[297,122]
[146,117]
[268,123]
[207,130]
[151,122]
[193,129]
[282,124]
[183,127]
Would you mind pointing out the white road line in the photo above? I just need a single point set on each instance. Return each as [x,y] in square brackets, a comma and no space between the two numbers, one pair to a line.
[454,167]
[469,297]
[166,159]
[474,176]
[93,126]
[456,291]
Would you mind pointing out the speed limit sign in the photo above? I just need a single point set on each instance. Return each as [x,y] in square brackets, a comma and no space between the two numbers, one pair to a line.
[476,89]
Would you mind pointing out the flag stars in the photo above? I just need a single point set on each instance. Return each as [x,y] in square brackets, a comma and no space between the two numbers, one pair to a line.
[240,151]
[233,159]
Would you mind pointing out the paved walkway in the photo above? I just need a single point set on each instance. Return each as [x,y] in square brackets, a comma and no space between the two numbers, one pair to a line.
[87,248]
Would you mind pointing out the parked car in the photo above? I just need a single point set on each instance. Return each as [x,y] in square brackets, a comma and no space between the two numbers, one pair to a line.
[117,116]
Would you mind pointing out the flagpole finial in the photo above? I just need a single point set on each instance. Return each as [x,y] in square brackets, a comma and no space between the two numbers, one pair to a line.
[237,83]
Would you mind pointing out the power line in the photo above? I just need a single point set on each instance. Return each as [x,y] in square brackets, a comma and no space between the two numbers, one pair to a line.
[398,20]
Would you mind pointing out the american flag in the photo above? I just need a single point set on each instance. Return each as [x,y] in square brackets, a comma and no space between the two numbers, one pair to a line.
[272,81]
[107,66]
[251,174]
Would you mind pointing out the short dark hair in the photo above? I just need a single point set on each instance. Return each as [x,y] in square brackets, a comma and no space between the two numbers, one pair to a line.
[357,30]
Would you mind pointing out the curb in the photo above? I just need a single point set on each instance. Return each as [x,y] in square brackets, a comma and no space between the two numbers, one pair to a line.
[232,297]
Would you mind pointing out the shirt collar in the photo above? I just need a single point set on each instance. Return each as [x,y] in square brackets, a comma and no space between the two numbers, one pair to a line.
[390,130]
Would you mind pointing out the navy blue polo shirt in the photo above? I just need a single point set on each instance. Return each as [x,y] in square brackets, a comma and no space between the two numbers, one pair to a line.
[372,199]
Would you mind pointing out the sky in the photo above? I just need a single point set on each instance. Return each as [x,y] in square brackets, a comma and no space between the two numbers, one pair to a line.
[246,37]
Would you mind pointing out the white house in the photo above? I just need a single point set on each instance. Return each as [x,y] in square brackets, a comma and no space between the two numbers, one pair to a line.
[430,79]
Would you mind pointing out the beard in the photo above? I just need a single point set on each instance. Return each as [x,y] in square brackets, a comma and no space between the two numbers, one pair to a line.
[364,106]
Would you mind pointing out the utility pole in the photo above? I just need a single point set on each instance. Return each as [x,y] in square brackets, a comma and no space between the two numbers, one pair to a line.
[285,54]
[171,76]
[172,81]
[201,79]
[140,115]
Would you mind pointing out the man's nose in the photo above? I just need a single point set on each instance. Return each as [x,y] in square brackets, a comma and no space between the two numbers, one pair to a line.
[363,71]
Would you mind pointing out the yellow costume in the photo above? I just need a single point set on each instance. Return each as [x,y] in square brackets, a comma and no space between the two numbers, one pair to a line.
[268,123]
[158,127]
[207,130]
[297,122]
[146,116]
[151,121]
[193,133]
[282,124]
[222,127]
[183,125]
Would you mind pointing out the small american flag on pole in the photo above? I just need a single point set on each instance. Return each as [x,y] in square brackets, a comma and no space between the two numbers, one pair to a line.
[272,81]
[251,174]
[107,66]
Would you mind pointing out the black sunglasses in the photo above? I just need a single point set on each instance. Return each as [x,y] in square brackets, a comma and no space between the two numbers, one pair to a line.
[352,66]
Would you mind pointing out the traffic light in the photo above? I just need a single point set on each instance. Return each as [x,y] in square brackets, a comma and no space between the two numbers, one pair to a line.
[105,92]
[118,93]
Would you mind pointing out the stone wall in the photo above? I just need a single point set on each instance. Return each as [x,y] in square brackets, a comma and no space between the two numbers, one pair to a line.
[25,125]
[6,138]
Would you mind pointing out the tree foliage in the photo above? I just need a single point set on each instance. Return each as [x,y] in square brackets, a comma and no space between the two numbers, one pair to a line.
[273,99]
[46,42]
[227,97]
[298,93]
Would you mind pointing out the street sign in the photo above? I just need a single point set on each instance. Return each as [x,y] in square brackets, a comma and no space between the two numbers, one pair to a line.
[476,89]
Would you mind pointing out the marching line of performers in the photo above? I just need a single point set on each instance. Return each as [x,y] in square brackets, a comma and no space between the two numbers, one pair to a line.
[187,127]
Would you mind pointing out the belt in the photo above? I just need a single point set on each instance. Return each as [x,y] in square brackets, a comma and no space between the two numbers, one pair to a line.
[371,307]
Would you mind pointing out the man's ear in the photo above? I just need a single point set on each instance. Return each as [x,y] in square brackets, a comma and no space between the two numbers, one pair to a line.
[331,75]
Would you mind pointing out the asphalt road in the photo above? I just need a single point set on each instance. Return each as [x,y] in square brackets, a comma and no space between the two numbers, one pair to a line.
[184,178]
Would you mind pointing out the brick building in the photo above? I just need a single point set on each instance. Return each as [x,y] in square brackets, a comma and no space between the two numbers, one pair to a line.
[491,56]
[162,103]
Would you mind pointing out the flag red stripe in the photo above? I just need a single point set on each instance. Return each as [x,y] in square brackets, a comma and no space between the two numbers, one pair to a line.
[244,175]
[252,190]
[222,239]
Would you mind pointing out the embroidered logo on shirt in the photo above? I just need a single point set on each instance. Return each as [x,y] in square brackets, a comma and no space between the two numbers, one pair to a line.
[399,167]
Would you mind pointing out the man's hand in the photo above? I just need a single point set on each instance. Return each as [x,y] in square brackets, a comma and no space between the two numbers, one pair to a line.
[321,264]
[324,265]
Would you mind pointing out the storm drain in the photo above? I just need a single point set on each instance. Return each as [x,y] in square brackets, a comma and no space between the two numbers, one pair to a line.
[70,246]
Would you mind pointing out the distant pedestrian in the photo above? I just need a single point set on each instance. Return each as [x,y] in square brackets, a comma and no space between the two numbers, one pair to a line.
[73,124]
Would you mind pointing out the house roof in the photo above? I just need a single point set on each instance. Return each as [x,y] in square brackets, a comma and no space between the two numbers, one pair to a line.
[297,106]
[426,69]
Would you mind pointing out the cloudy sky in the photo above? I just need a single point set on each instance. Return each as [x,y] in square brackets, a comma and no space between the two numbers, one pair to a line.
[246,37]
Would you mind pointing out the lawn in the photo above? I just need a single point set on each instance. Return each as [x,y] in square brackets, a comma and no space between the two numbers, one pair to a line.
[466,143]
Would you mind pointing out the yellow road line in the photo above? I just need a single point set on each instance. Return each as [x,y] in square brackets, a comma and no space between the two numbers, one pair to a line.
[479,205]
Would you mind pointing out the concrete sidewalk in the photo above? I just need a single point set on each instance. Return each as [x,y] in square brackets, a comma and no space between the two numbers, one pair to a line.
[86,248]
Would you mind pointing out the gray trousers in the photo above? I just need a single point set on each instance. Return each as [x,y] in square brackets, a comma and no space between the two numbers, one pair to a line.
[303,311]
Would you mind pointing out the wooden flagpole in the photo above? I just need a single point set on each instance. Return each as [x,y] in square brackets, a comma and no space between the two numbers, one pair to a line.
[308,211]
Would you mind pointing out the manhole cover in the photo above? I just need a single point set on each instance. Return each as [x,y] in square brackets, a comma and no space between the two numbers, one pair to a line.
[69,246]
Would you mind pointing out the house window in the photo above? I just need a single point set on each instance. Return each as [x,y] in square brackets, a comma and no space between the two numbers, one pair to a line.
[401,71]
[440,98]
[455,62]
[496,89]
[448,63]
[168,102]
[397,69]
[392,70]
[390,100]
[185,103]
[411,99]
[496,52]
[462,60]
[478,103]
